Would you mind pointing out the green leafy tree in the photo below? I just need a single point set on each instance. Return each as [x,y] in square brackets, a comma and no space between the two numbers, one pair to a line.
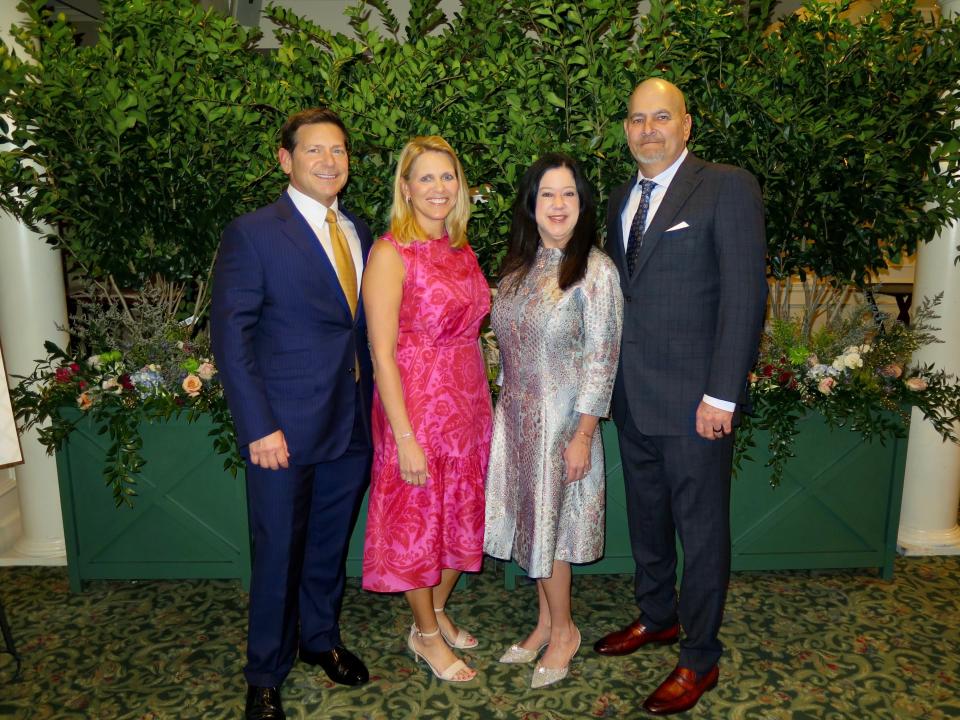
[132,154]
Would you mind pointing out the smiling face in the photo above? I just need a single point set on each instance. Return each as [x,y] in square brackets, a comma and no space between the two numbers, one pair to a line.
[557,208]
[657,125]
[431,190]
[319,165]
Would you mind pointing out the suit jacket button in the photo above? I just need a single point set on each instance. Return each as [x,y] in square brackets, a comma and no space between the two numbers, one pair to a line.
[627,298]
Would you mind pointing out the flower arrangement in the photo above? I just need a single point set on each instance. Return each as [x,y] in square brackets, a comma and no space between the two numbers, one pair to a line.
[855,370]
[125,365]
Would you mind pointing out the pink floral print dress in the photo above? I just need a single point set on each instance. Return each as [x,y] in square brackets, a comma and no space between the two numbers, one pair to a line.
[414,532]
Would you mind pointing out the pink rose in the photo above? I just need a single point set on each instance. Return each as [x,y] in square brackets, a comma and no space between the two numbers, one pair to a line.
[826,385]
[891,371]
[206,371]
[917,384]
[192,385]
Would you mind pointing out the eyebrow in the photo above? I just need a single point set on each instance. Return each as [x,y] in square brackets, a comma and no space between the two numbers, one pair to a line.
[654,112]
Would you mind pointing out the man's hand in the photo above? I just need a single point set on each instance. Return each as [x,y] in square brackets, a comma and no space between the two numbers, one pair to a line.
[270,451]
[712,422]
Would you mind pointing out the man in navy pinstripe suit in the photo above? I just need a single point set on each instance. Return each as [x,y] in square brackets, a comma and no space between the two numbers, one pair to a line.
[289,338]
[688,239]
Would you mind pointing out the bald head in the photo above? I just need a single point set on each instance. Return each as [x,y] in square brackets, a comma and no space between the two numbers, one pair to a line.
[657,125]
[665,90]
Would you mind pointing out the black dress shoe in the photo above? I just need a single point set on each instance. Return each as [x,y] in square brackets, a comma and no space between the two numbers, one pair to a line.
[263,703]
[340,665]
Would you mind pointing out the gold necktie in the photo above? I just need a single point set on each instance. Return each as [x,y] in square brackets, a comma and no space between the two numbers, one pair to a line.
[343,259]
[346,272]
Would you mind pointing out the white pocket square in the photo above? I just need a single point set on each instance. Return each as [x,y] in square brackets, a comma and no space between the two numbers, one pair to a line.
[678,226]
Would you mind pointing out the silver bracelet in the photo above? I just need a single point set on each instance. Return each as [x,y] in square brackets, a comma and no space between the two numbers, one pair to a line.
[405,435]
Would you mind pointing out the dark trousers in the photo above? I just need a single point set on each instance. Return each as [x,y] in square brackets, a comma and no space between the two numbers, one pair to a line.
[680,485]
[300,519]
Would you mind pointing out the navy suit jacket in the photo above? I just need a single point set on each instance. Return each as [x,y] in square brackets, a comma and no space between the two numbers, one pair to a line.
[694,306]
[283,337]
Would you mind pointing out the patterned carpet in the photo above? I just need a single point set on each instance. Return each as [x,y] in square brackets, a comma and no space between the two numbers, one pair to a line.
[799,645]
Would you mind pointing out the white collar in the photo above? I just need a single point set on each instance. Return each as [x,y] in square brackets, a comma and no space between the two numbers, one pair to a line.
[313,210]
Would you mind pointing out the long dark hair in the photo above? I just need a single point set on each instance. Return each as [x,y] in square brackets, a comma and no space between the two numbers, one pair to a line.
[525,239]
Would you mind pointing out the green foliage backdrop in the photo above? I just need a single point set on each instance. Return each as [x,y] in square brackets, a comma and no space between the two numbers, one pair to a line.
[135,152]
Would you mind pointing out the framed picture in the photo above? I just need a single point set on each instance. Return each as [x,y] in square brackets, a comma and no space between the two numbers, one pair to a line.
[10,451]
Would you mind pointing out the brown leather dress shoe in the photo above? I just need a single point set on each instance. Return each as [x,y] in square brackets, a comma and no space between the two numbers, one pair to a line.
[681,690]
[634,636]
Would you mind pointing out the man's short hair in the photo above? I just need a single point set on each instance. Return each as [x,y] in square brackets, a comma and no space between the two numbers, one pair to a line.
[310,116]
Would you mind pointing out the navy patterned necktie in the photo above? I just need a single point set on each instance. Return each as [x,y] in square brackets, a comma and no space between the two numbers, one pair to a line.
[635,239]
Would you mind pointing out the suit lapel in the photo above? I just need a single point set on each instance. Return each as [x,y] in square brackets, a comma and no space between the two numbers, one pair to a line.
[618,201]
[299,232]
[366,241]
[683,183]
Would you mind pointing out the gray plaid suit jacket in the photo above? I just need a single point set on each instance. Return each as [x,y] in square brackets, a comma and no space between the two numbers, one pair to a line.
[694,306]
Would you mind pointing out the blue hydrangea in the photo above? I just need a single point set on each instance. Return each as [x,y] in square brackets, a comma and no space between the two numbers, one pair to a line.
[819,371]
[147,382]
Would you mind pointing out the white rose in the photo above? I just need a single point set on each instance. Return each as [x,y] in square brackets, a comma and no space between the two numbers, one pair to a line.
[206,371]
[839,362]
[112,385]
[853,360]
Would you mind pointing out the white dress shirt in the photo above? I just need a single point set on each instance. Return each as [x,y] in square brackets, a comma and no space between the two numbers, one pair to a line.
[662,181]
[315,214]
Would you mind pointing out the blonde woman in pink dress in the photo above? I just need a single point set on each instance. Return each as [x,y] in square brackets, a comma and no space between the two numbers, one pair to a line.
[425,299]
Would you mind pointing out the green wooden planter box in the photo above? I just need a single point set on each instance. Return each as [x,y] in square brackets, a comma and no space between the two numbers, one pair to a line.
[838,506]
[189,519]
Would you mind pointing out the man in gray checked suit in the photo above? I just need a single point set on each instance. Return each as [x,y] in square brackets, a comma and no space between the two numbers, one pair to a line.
[688,239]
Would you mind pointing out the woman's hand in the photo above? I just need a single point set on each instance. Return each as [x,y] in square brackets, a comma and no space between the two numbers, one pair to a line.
[413,461]
[577,457]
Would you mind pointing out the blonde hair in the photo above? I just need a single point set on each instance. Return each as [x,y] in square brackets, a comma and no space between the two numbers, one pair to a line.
[403,223]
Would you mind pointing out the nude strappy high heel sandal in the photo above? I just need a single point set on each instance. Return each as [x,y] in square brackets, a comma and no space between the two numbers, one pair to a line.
[450,673]
[463,641]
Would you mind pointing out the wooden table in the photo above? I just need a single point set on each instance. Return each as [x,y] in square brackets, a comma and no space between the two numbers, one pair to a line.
[902,293]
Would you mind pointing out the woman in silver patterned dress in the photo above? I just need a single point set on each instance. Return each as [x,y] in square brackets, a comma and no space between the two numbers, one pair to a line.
[557,318]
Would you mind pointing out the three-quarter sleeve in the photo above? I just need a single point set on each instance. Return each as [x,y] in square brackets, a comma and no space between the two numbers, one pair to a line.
[602,303]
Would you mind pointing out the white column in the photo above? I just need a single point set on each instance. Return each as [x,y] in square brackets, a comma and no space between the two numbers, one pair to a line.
[931,491]
[32,304]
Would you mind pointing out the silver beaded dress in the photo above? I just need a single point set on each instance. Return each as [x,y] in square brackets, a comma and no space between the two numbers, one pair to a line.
[559,353]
